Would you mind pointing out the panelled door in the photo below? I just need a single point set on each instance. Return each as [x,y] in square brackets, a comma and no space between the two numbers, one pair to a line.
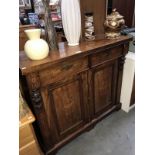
[66,105]
[103,81]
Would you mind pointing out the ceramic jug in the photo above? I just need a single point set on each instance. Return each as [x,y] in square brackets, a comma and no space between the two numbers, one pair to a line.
[35,48]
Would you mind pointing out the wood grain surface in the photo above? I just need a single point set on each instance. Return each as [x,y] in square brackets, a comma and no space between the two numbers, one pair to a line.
[65,52]
[74,88]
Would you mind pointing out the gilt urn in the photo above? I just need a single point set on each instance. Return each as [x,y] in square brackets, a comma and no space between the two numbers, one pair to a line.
[113,25]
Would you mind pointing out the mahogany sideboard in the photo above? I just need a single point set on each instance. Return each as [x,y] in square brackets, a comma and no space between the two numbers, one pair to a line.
[73,88]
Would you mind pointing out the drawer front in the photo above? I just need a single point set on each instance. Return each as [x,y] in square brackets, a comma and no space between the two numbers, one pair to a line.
[62,71]
[100,56]
[30,149]
[25,135]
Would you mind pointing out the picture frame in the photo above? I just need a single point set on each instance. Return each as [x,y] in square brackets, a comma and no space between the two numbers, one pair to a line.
[21,3]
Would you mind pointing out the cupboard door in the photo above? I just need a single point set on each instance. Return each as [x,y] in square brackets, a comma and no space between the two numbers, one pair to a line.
[103,81]
[67,101]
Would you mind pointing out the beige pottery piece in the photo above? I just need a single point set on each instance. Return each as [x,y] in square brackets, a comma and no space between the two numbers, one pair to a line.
[35,48]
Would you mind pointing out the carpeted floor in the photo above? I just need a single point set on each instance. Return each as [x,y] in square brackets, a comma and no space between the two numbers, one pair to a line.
[114,135]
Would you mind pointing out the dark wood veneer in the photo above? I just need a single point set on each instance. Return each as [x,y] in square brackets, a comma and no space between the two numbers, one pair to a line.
[132,100]
[125,8]
[66,52]
[74,88]
[98,8]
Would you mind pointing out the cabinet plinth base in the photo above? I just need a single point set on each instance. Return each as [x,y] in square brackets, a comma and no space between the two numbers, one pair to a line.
[118,107]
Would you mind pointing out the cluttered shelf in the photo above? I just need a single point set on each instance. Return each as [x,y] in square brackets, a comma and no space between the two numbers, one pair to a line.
[34,18]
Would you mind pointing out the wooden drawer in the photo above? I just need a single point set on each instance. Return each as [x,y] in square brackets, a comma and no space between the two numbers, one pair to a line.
[30,149]
[25,135]
[62,71]
[100,56]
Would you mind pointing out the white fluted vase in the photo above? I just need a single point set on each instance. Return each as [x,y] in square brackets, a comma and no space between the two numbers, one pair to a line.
[71,20]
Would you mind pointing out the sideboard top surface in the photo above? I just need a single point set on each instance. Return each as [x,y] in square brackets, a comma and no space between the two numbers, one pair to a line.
[65,52]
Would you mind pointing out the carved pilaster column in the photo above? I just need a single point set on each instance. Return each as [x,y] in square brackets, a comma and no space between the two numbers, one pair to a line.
[37,100]
[122,58]
[38,108]
[121,62]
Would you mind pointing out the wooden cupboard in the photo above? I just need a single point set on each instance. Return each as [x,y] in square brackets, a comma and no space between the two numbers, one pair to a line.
[73,88]
[98,8]
[127,9]
[28,143]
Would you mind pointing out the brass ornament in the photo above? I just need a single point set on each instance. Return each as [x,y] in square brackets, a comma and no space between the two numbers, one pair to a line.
[113,25]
